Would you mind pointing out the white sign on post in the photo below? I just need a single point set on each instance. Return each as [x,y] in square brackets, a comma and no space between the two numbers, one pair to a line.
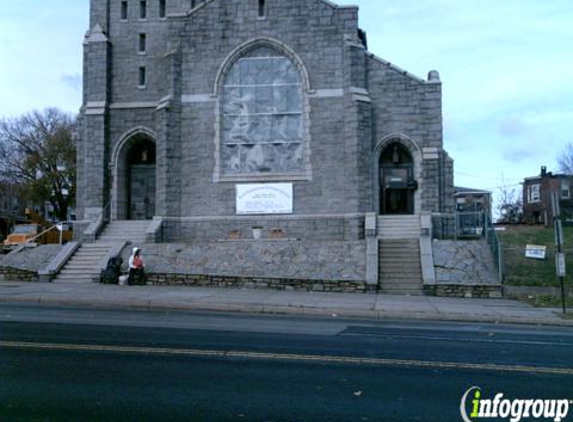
[560,265]
[535,251]
[264,198]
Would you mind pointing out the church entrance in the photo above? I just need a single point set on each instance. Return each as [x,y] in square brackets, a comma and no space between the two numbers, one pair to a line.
[397,183]
[141,180]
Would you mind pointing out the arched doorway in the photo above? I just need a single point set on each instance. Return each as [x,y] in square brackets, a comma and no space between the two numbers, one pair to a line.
[135,178]
[397,182]
[141,180]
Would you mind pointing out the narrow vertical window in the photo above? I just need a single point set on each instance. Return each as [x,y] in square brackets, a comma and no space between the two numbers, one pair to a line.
[142,77]
[162,8]
[124,10]
[565,189]
[143,9]
[142,43]
[193,4]
[261,8]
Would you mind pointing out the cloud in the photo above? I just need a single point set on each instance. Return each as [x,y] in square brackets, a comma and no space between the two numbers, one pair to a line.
[73,81]
[513,127]
[551,116]
[524,139]
[520,154]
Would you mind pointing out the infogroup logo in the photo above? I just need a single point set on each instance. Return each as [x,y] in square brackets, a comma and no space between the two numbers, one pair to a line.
[514,410]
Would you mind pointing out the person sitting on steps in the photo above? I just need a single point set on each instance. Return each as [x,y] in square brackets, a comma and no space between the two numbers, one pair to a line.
[136,266]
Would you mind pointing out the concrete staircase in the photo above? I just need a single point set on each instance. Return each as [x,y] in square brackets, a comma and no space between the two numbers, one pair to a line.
[85,265]
[398,226]
[122,230]
[399,267]
[399,261]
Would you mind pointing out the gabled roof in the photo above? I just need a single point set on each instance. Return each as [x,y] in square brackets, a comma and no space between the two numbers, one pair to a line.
[400,70]
[433,76]
[205,2]
[336,6]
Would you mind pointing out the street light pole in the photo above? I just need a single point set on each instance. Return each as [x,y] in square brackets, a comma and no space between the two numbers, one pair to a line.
[560,258]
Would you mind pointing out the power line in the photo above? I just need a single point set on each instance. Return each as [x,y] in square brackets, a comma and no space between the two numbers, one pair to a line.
[480,177]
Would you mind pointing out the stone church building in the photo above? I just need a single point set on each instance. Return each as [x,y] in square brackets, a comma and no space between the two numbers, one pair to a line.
[211,118]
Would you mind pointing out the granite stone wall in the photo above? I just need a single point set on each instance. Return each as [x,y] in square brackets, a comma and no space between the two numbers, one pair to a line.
[32,259]
[465,291]
[324,262]
[8,273]
[310,228]
[404,105]
[259,283]
[24,265]
[464,263]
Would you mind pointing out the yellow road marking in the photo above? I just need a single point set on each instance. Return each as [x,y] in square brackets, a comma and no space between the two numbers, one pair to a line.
[286,357]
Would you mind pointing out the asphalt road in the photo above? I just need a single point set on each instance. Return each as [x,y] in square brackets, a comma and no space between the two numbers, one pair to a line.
[65,364]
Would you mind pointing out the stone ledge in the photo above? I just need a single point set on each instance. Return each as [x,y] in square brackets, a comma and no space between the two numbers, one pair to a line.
[479,291]
[17,274]
[258,283]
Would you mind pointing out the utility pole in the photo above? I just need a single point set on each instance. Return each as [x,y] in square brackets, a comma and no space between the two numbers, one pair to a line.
[560,257]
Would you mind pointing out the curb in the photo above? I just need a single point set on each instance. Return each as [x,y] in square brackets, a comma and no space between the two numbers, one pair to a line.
[377,315]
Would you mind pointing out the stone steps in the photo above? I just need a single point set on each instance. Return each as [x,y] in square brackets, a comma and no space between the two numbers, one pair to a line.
[398,227]
[399,267]
[121,231]
[84,265]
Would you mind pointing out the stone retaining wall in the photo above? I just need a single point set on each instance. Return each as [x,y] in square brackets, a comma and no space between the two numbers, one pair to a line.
[287,260]
[31,258]
[259,283]
[17,274]
[464,262]
[465,291]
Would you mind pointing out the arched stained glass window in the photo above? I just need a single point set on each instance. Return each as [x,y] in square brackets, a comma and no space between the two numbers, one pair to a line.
[262,128]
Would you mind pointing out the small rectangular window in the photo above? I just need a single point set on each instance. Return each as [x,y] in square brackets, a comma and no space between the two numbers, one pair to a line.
[193,4]
[143,9]
[565,189]
[142,76]
[124,10]
[142,43]
[534,193]
[261,8]
[162,8]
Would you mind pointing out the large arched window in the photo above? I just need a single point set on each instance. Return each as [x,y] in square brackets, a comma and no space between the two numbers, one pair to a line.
[263,119]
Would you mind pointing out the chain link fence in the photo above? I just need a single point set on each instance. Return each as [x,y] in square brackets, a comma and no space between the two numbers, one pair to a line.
[523,271]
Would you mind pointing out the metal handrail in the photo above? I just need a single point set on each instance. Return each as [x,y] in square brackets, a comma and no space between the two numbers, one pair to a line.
[52,228]
[101,218]
[496,248]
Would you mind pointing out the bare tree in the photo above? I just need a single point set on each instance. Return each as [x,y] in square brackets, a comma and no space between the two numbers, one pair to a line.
[37,153]
[510,204]
[565,159]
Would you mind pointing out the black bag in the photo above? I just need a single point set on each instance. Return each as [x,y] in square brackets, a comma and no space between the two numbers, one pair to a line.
[112,270]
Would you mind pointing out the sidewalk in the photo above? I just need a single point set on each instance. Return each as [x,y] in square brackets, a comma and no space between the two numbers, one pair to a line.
[370,306]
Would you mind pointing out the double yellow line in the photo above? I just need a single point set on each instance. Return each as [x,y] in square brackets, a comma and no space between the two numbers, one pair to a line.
[285,357]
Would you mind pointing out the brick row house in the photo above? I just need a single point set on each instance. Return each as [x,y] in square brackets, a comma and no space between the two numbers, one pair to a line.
[537,193]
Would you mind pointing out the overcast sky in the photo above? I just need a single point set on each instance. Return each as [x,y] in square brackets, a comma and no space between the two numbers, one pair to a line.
[506,68]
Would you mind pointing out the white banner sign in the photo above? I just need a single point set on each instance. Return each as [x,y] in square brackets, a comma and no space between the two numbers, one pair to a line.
[265,198]
[535,251]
